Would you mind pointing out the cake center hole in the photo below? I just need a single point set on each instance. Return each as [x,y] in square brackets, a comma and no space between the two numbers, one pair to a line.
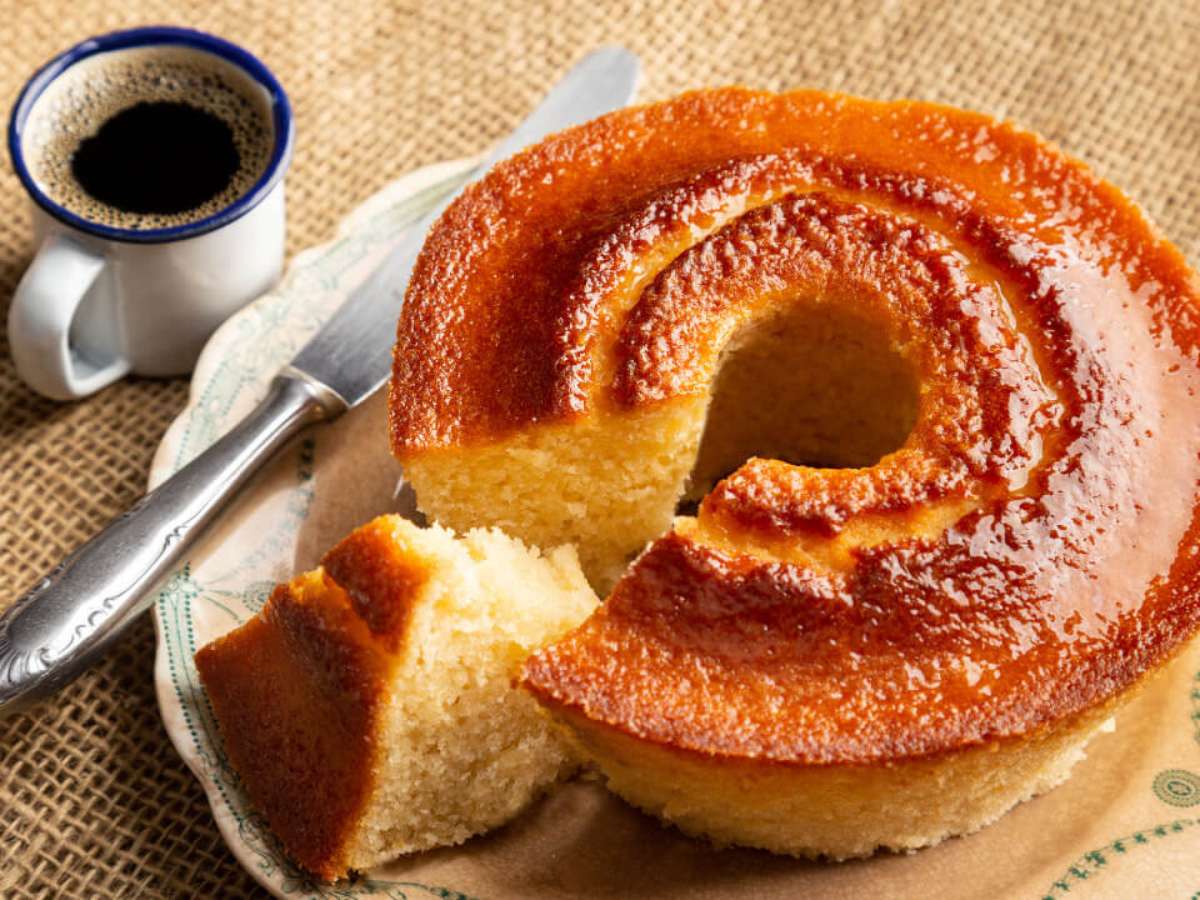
[820,386]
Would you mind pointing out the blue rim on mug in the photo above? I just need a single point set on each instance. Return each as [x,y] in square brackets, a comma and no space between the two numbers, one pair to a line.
[159,35]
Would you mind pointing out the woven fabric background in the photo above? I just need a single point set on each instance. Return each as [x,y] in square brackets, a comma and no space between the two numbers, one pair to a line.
[93,800]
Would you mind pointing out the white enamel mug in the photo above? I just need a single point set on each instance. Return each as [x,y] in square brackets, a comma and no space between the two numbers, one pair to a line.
[99,302]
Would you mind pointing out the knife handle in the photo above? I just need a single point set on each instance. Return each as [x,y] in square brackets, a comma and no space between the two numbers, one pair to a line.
[51,634]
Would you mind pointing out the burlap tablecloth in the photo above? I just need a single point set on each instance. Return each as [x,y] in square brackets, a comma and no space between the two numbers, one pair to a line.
[93,799]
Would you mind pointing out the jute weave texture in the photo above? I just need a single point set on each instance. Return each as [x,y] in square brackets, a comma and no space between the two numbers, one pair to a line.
[93,800]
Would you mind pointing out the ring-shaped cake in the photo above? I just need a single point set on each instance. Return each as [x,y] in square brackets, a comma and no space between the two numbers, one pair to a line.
[933,387]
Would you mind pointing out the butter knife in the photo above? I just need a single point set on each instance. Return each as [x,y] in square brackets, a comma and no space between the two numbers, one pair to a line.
[51,634]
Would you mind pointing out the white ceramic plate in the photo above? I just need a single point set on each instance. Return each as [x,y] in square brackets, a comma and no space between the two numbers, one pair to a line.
[1127,824]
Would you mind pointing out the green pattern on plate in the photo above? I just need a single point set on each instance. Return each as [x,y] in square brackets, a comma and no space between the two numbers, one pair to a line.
[1094,862]
[1178,787]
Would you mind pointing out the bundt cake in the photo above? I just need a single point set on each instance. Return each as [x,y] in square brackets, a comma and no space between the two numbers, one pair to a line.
[933,387]
[369,708]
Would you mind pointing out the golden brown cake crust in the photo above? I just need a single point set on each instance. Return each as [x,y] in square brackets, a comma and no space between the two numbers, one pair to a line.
[274,687]
[509,307]
[381,584]
[299,693]
[726,656]
[1056,340]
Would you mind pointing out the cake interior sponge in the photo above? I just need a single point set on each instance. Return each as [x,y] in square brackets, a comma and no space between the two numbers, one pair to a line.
[370,709]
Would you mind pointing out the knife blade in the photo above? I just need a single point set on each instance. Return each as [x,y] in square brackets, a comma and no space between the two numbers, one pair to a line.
[54,632]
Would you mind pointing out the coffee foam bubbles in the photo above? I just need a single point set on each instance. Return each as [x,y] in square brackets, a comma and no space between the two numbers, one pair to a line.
[95,89]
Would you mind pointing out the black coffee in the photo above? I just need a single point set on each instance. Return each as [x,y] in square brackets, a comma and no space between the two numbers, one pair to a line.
[149,138]
[160,157]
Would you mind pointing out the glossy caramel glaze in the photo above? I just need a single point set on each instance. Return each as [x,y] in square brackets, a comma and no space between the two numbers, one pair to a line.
[299,693]
[1055,338]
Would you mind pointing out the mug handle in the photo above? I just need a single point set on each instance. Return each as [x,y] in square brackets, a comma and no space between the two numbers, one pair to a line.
[39,322]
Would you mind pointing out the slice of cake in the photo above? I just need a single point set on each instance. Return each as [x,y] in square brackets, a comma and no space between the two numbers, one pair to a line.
[369,708]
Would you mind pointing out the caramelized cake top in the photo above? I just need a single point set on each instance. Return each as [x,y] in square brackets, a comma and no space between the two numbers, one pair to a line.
[1028,550]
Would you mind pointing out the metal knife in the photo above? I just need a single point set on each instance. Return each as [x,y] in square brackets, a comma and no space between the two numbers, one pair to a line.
[50,635]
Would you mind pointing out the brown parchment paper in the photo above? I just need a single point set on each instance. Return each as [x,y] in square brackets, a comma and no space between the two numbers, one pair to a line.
[93,800]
